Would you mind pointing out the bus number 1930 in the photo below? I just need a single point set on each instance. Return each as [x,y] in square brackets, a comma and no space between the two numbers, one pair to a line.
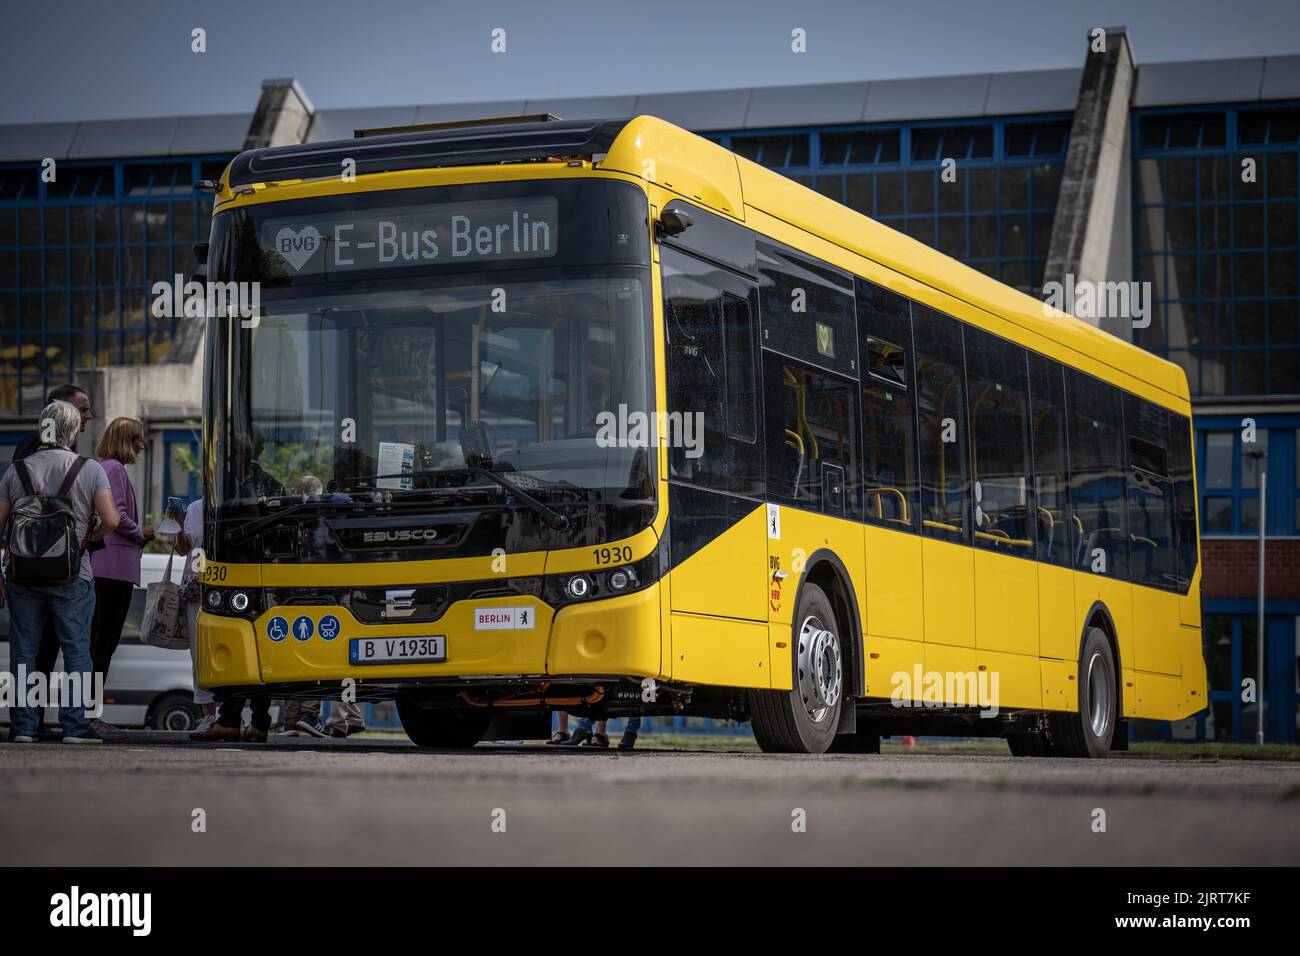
[615,555]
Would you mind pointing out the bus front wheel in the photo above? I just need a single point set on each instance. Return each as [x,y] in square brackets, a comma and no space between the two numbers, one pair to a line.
[1088,732]
[441,729]
[803,720]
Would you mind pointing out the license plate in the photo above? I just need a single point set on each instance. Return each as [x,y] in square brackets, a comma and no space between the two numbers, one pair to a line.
[398,650]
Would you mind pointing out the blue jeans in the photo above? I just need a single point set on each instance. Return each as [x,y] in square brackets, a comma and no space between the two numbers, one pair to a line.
[71,608]
[633,724]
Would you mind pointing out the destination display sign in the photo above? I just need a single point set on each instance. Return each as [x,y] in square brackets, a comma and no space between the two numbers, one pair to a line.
[405,236]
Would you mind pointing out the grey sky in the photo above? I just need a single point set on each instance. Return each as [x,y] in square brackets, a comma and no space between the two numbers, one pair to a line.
[98,59]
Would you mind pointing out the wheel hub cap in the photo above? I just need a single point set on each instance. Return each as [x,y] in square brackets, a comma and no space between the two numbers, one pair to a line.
[820,675]
[1098,696]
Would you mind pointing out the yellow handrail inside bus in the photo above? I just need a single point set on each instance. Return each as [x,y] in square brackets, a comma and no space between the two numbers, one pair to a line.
[877,493]
[1001,537]
[941,525]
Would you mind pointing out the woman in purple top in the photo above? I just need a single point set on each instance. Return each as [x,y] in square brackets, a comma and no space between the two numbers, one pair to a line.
[117,564]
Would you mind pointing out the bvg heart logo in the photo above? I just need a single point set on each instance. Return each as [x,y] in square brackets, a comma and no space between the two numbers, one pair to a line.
[297,247]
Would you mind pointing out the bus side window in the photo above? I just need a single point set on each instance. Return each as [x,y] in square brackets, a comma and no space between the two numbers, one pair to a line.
[812,440]
[941,414]
[807,308]
[888,419]
[997,381]
[1152,535]
[742,388]
[711,371]
[808,317]
[1180,472]
[1051,489]
[1097,476]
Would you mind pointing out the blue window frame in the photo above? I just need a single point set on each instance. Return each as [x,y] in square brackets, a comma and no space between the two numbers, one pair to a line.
[1227,476]
[1231,649]
[77,259]
[1220,244]
[996,216]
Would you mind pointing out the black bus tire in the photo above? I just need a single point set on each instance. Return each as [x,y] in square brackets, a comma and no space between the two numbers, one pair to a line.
[1088,732]
[803,720]
[441,729]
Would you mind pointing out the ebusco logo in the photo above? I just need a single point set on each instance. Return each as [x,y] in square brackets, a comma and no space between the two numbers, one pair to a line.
[401,534]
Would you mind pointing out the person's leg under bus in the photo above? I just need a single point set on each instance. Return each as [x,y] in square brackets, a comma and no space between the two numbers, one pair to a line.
[346,718]
[561,735]
[309,718]
[259,723]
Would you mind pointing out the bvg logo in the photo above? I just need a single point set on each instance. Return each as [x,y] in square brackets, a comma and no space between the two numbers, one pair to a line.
[402,534]
[297,247]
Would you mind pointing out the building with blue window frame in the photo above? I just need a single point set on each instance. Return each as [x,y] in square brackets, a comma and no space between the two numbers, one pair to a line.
[1215,212]
[1187,175]
[89,220]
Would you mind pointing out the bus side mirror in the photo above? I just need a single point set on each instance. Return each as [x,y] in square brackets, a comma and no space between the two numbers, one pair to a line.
[672,222]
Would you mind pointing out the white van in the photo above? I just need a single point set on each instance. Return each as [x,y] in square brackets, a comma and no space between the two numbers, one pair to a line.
[147,686]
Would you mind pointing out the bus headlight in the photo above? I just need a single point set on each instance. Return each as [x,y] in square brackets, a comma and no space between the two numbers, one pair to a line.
[559,590]
[239,602]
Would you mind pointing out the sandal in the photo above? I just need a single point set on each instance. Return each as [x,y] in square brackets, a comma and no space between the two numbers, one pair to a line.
[598,740]
[559,737]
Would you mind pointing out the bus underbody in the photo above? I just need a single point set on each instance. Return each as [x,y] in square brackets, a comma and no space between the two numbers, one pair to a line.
[520,707]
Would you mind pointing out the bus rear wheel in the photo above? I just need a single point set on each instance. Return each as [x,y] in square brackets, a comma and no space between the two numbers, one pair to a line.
[803,720]
[441,729]
[1088,732]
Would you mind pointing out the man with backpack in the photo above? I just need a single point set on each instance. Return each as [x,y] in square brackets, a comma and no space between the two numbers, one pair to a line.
[49,502]
[48,651]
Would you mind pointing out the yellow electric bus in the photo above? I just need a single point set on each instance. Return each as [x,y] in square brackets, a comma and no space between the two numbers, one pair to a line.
[601,417]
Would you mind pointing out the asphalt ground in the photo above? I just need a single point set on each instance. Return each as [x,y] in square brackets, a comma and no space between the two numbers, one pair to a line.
[158,799]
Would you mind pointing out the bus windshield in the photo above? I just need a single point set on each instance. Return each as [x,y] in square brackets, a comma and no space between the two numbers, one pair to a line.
[364,389]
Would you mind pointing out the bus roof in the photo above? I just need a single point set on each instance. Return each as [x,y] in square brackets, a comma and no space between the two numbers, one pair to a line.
[700,169]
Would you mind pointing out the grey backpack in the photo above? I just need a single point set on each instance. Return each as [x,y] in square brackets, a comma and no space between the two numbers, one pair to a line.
[43,546]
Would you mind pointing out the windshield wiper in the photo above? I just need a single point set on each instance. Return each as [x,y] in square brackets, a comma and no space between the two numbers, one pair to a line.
[244,532]
[553,519]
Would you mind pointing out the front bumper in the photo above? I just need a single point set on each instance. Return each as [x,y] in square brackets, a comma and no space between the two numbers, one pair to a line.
[617,637]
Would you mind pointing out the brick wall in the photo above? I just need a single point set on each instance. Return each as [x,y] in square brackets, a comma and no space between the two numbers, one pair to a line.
[1229,569]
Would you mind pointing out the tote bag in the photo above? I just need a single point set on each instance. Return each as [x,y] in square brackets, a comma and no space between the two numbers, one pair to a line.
[163,625]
